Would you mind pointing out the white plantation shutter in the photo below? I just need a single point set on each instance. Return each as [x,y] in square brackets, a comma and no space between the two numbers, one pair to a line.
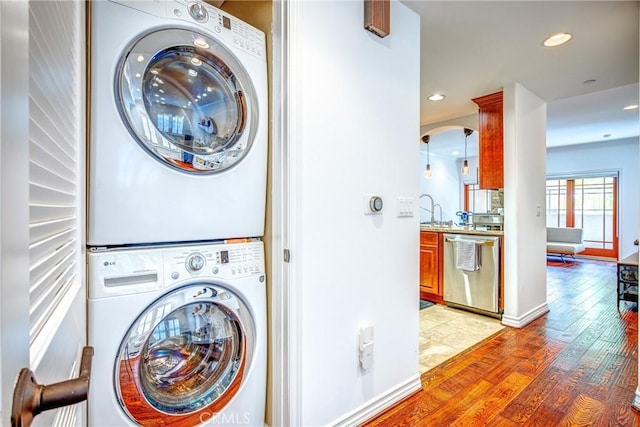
[55,151]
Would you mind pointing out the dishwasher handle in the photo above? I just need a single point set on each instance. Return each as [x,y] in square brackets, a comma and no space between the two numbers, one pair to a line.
[478,242]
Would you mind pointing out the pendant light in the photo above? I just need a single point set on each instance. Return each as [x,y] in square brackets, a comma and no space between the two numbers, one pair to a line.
[427,171]
[465,164]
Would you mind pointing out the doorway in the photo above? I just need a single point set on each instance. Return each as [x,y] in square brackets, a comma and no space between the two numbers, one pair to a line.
[446,332]
[588,202]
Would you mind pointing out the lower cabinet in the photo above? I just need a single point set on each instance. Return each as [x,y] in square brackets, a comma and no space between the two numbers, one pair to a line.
[430,266]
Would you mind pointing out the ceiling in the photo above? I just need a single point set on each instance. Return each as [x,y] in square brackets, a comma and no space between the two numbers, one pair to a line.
[474,48]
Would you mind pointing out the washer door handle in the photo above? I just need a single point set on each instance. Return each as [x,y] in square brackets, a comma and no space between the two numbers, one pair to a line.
[31,398]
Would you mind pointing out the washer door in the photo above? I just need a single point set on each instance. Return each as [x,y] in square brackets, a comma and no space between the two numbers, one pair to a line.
[187,100]
[185,356]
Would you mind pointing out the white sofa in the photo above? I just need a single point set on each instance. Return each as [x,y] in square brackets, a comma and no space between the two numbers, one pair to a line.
[564,241]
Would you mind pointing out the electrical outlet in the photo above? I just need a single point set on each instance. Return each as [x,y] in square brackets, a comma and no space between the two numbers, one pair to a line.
[366,346]
[366,356]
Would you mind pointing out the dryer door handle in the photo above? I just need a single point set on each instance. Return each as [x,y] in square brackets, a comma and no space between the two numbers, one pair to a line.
[31,398]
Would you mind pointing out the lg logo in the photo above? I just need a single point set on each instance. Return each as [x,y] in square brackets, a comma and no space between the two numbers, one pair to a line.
[108,263]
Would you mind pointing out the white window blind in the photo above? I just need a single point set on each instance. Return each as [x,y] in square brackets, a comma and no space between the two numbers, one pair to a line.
[55,135]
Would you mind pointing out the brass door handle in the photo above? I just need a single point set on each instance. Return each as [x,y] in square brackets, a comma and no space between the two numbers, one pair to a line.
[31,398]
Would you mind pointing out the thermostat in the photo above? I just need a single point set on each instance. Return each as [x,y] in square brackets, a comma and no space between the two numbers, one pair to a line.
[372,204]
[375,204]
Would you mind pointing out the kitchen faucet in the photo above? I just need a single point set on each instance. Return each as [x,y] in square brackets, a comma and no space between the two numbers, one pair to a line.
[433,219]
[438,205]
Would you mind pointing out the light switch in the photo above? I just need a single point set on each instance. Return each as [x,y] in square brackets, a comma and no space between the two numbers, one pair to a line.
[405,206]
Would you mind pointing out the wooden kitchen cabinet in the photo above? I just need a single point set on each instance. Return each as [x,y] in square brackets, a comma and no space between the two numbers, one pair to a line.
[430,266]
[491,146]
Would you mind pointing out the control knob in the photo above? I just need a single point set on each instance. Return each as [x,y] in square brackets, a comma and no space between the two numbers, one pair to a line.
[198,12]
[195,262]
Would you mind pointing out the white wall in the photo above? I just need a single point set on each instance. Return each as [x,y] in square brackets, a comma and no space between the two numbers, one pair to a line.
[355,112]
[446,185]
[524,199]
[636,398]
[619,156]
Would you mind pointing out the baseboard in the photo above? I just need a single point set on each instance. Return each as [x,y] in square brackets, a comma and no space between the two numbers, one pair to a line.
[524,320]
[381,403]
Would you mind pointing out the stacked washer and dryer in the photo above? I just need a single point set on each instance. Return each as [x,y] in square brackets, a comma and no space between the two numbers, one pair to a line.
[177,189]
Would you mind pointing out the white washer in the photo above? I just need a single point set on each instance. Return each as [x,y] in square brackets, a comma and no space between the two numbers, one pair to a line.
[179,335]
[178,124]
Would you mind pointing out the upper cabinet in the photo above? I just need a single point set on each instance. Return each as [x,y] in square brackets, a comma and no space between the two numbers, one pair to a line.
[490,148]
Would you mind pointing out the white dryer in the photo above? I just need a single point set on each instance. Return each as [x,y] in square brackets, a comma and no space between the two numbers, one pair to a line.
[179,335]
[178,124]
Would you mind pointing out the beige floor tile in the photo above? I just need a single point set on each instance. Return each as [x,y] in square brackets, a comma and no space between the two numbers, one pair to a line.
[445,332]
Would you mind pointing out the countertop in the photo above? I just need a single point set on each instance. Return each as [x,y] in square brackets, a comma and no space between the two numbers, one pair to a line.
[630,260]
[457,229]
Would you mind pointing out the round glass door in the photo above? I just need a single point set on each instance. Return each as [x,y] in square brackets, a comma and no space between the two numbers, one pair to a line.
[187,101]
[184,355]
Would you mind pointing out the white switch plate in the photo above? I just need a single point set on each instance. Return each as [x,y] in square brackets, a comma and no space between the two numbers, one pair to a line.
[405,206]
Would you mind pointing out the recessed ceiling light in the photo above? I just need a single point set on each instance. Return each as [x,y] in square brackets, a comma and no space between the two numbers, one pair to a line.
[557,39]
[436,97]
[455,153]
[631,107]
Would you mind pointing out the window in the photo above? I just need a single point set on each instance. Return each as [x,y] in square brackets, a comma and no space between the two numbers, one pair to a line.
[476,200]
[557,203]
[481,200]
[587,202]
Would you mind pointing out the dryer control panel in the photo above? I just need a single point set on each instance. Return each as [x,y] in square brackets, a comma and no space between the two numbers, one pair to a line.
[228,27]
[214,20]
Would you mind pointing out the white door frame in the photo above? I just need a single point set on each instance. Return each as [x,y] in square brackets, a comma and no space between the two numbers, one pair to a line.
[286,292]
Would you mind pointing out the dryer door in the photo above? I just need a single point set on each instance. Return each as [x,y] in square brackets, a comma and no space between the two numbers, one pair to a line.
[185,356]
[187,100]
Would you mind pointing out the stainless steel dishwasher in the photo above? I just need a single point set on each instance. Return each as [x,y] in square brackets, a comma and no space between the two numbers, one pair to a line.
[472,272]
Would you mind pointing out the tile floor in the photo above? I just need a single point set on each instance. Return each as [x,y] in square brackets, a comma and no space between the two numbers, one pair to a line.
[445,332]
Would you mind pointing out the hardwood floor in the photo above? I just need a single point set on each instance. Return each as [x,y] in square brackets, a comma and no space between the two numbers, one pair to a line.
[576,365]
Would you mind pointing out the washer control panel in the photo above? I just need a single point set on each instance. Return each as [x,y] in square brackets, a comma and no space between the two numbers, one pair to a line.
[225,261]
[131,271]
